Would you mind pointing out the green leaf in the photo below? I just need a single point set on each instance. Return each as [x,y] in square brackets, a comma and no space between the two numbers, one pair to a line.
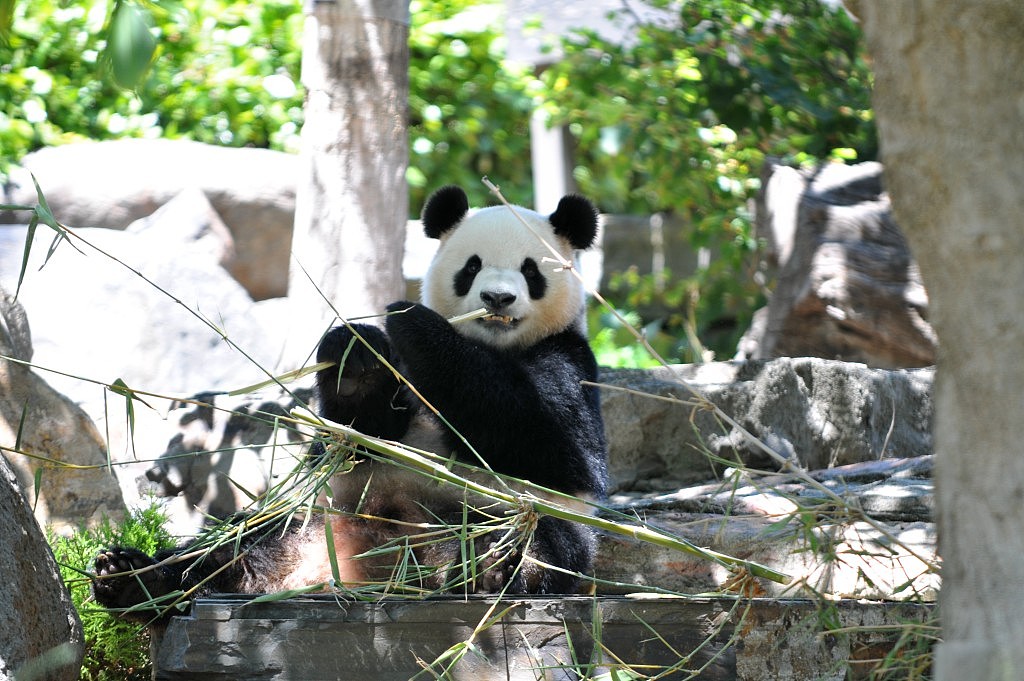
[131,45]
[29,236]
[290,593]
[121,388]
[6,20]
[332,554]
[37,485]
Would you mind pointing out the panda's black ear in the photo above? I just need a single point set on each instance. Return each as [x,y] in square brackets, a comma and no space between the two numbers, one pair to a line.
[443,210]
[575,218]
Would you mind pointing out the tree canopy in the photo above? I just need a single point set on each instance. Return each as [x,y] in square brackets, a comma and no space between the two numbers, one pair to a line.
[678,118]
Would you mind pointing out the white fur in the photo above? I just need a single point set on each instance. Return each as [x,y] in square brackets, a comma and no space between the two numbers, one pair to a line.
[503,242]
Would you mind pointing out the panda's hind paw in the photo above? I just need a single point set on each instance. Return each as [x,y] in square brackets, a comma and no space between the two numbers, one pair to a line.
[495,567]
[126,577]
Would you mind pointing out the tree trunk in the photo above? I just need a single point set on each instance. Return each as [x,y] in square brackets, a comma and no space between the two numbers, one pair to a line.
[352,198]
[948,84]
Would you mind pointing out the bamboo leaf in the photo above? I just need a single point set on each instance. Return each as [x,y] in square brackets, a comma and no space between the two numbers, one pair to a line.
[289,593]
[237,485]
[21,427]
[286,377]
[121,388]
[29,236]
[43,209]
[332,554]
[37,485]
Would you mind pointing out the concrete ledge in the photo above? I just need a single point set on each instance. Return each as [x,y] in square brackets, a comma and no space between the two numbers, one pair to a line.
[321,637]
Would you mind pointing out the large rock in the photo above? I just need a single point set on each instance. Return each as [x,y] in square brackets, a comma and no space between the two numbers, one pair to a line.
[51,443]
[95,317]
[190,328]
[112,184]
[40,633]
[847,286]
[816,413]
[856,531]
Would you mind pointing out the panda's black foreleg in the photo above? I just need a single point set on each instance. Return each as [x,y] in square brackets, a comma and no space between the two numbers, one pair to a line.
[360,390]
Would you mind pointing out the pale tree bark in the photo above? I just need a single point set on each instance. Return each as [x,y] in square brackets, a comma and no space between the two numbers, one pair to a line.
[949,96]
[352,198]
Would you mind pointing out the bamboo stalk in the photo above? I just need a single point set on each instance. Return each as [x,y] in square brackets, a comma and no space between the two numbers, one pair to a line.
[535,503]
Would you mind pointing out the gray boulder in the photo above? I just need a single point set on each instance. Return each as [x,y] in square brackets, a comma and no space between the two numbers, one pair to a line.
[816,413]
[111,184]
[40,633]
[857,531]
[169,331]
[49,439]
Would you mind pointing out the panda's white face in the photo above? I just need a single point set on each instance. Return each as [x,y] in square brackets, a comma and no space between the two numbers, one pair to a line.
[493,261]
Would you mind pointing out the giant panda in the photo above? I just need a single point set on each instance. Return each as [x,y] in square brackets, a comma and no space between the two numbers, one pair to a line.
[511,392]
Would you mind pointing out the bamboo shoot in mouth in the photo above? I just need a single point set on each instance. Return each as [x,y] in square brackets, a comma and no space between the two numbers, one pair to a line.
[469,316]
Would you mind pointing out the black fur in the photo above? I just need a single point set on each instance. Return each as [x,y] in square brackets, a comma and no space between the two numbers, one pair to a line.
[536,282]
[524,411]
[575,218]
[443,210]
[463,280]
[127,577]
[361,391]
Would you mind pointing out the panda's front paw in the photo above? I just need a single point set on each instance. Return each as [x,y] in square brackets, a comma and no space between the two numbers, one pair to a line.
[127,577]
[361,389]
[359,366]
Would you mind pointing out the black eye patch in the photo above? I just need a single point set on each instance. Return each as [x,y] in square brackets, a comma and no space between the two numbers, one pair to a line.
[536,283]
[463,279]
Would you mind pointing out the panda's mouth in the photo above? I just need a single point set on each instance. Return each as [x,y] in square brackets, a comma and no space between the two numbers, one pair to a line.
[498,321]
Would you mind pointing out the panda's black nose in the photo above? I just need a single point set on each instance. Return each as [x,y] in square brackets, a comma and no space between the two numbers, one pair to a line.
[497,300]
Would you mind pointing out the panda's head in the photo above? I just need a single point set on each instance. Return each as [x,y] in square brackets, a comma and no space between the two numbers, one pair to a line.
[489,259]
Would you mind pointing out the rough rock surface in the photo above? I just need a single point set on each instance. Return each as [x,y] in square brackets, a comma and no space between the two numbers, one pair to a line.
[847,285]
[55,438]
[94,317]
[817,413]
[111,184]
[856,531]
[40,633]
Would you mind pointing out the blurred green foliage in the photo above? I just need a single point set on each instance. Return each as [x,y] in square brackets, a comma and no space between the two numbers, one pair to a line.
[681,120]
[469,110]
[115,649]
[678,118]
[223,72]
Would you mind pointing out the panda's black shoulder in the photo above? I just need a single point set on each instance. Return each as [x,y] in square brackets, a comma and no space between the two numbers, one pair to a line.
[568,346]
